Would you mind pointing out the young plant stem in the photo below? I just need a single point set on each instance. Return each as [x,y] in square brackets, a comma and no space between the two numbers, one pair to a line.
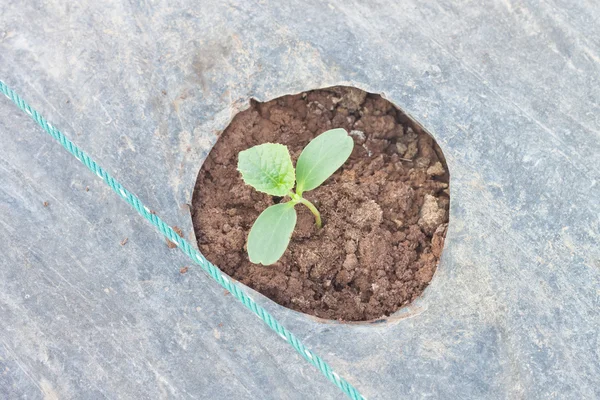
[296,198]
[313,209]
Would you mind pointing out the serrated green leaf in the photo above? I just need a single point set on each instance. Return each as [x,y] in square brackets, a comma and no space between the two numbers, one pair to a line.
[271,233]
[267,168]
[321,158]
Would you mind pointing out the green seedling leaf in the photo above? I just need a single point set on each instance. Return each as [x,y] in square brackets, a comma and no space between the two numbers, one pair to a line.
[267,168]
[321,158]
[271,233]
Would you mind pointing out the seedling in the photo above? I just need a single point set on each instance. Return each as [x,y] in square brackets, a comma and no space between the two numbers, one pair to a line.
[268,168]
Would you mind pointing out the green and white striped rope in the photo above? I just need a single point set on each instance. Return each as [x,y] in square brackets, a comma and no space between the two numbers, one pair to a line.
[184,246]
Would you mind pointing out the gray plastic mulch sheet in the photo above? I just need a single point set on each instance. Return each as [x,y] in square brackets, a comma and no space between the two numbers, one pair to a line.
[510,91]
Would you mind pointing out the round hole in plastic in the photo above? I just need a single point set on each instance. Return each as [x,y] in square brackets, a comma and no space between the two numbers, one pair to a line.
[385,211]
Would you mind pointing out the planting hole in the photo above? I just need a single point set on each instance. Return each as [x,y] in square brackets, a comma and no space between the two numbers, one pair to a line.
[385,211]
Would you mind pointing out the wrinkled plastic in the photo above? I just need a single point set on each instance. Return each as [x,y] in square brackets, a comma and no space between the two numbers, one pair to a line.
[506,89]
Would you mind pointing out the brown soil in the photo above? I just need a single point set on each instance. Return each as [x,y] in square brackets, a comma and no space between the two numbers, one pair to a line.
[385,211]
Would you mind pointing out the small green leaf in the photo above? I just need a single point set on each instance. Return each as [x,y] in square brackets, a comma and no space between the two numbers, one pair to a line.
[271,233]
[321,158]
[267,168]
